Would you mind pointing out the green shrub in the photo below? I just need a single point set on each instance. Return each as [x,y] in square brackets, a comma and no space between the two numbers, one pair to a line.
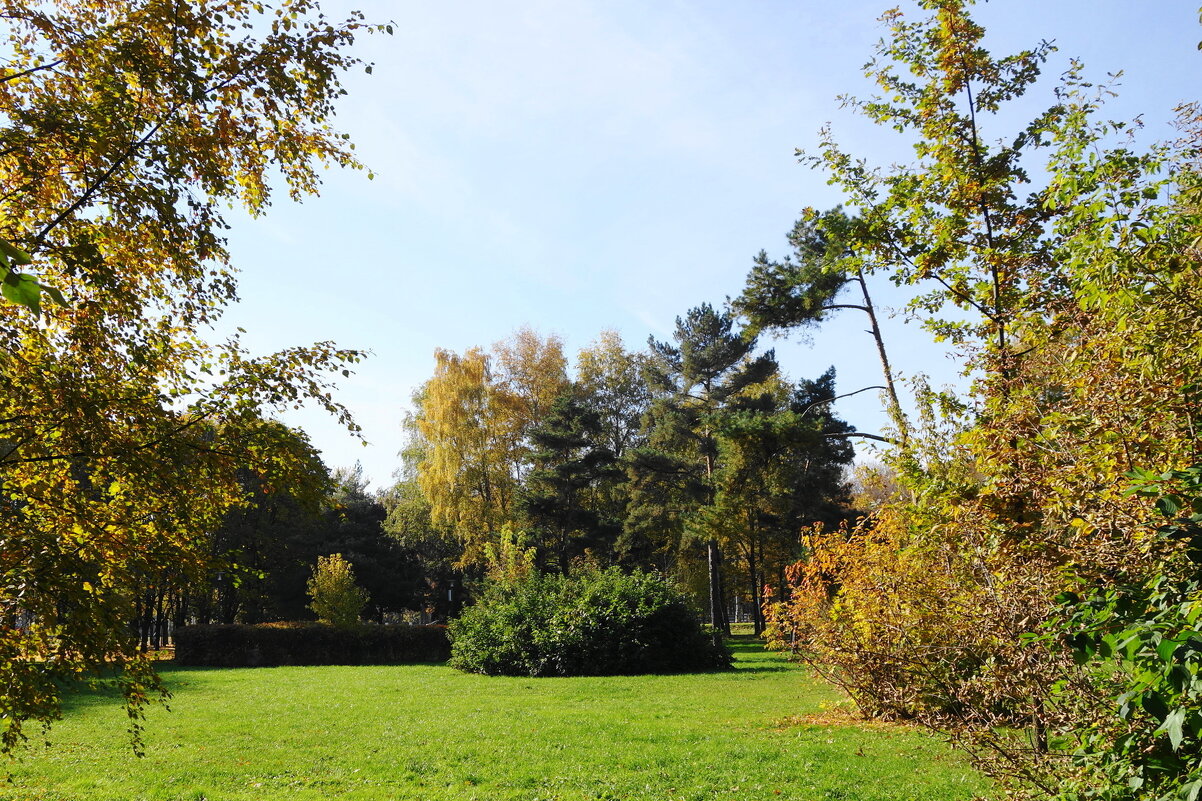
[1140,648]
[594,623]
[273,644]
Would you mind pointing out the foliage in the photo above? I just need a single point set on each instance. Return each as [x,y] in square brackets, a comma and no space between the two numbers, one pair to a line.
[273,644]
[431,549]
[1143,641]
[337,599]
[802,290]
[709,372]
[610,379]
[475,415]
[19,287]
[592,623]
[127,129]
[464,472]
[352,523]
[780,470]
[1072,298]
[559,498]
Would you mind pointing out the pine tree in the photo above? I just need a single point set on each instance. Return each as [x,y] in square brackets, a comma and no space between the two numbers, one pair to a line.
[705,374]
[560,497]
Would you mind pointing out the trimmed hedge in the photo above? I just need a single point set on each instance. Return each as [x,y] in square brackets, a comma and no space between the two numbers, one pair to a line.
[272,644]
[592,623]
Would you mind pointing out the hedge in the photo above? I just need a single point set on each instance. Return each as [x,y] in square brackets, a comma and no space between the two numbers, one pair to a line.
[272,644]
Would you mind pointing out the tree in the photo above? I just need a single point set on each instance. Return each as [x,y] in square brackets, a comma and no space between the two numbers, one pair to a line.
[803,289]
[531,374]
[780,471]
[353,524]
[610,378]
[475,415]
[696,381]
[570,463]
[259,557]
[337,599]
[1076,296]
[467,472]
[433,548]
[127,128]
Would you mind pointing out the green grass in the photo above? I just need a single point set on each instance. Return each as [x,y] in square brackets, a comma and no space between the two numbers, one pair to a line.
[429,732]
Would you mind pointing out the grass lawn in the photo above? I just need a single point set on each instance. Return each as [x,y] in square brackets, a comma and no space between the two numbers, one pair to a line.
[429,732]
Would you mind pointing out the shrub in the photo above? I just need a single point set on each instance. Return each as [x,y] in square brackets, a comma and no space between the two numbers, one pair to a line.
[272,644]
[337,599]
[594,623]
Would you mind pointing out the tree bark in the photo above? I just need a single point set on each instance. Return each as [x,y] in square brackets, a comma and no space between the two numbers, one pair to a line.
[717,616]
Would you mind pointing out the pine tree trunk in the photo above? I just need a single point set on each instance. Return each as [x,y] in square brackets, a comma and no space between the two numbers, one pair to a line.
[717,617]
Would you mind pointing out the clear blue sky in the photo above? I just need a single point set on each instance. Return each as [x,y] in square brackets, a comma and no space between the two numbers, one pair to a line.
[578,165]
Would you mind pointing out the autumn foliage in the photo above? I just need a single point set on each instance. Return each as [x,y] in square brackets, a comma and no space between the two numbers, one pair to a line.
[128,128]
[978,599]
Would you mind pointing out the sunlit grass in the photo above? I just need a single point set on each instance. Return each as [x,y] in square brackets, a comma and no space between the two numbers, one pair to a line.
[429,732]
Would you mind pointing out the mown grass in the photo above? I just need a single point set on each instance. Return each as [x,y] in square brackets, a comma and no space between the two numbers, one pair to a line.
[429,732]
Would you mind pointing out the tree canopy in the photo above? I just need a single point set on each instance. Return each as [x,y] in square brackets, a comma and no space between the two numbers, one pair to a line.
[127,128]
[1018,590]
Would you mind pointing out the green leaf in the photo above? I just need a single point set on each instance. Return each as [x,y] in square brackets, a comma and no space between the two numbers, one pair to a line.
[13,253]
[23,289]
[1166,649]
[1179,678]
[1165,763]
[56,296]
[1154,705]
[1174,727]
[1168,505]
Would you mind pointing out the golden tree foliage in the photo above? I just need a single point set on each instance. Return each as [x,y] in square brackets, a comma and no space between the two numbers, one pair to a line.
[474,421]
[1086,294]
[531,372]
[126,128]
[464,470]
[337,599]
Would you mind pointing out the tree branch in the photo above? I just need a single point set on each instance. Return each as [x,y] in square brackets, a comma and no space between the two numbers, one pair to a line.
[844,395]
[96,184]
[877,437]
[30,71]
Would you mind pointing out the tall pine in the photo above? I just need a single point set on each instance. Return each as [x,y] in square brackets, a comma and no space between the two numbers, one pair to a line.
[705,374]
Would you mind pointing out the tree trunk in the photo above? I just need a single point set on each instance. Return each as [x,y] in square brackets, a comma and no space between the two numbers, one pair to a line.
[757,612]
[157,637]
[894,404]
[717,615]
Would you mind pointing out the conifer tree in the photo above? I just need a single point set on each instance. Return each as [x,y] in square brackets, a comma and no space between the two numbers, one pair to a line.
[694,382]
[560,496]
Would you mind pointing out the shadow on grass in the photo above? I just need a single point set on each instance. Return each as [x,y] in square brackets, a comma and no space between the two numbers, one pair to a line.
[104,691]
[752,657]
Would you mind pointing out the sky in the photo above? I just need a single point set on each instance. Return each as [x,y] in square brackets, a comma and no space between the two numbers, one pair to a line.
[582,165]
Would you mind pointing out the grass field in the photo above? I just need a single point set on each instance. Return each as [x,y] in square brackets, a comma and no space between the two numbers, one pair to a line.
[429,732]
